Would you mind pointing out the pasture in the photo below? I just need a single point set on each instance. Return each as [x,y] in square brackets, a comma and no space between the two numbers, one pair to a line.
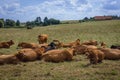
[106,31]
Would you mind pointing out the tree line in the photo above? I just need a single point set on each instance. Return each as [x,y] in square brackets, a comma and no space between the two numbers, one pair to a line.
[45,22]
[114,17]
[9,23]
[37,22]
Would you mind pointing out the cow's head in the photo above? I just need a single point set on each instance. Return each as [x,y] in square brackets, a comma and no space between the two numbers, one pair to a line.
[11,42]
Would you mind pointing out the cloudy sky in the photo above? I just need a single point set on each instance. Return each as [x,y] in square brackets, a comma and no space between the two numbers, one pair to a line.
[27,10]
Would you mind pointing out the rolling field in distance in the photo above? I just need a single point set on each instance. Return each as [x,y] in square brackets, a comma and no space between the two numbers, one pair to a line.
[106,31]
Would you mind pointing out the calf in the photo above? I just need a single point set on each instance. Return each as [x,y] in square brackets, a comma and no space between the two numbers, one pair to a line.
[6,44]
[75,43]
[42,38]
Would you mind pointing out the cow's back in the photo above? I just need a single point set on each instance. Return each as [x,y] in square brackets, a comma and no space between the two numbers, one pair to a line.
[111,53]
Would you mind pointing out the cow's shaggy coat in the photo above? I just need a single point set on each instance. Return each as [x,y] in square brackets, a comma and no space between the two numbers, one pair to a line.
[58,55]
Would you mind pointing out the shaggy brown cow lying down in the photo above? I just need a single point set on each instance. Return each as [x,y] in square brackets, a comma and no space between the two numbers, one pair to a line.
[8,59]
[75,43]
[6,44]
[80,49]
[111,54]
[91,42]
[26,55]
[30,54]
[95,56]
[30,45]
[42,38]
[58,55]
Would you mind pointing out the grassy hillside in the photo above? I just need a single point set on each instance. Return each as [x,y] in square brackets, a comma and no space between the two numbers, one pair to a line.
[107,31]
[70,21]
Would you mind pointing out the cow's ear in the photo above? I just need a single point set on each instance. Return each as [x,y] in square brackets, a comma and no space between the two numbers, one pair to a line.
[11,40]
[78,40]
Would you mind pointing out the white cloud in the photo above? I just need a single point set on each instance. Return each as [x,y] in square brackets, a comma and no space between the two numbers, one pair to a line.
[11,7]
[60,9]
[1,11]
[8,7]
[84,8]
[74,2]
[113,2]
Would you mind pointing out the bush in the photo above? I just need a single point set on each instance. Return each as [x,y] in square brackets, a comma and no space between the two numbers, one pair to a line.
[29,27]
[54,21]
[10,23]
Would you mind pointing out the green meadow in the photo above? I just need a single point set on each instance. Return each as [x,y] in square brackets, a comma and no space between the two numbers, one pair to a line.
[102,31]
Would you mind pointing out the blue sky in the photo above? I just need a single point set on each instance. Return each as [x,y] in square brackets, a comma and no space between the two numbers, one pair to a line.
[28,10]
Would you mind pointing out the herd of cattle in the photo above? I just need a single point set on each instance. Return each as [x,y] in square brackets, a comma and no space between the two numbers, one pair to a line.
[57,51]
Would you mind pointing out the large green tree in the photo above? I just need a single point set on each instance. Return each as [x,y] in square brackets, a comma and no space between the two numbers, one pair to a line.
[46,21]
[17,23]
[38,21]
[1,24]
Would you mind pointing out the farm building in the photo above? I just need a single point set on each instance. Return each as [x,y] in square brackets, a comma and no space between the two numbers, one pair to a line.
[103,17]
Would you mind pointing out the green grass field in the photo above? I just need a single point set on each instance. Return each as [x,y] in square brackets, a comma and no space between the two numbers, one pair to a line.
[106,31]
